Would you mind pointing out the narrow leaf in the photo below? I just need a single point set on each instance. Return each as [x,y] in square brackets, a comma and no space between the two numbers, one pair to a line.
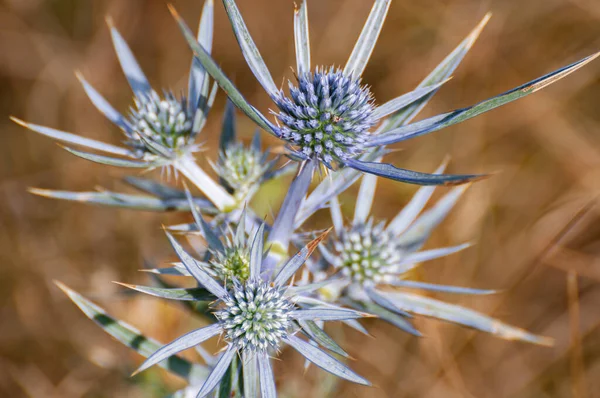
[180,344]
[184,294]
[103,106]
[110,161]
[442,72]
[294,263]
[411,211]
[250,373]
[412,177]
[226,85]
[134,74]
[452,313]
[73,138]
[195,268]
[368,37]
[132,338]
[301,38]
[327,314]
[441,288]
[219,370]
[228,127]
[267,379]
[448,119]
[197,73]
[249,50]
[256,253]
[318,335]
[324,360]
[405,100]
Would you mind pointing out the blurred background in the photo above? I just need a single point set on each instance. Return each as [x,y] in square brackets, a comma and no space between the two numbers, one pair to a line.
[535,223]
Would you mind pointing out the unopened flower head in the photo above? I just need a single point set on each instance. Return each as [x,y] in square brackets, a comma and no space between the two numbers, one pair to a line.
[327,115]
[255,316]
[165,122]
[232,263]
[241,167]
[366,252]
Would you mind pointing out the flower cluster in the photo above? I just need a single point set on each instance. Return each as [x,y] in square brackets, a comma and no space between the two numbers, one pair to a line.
[244,275]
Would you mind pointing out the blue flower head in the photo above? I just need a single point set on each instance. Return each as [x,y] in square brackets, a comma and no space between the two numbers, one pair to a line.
[330,116]
[373,264]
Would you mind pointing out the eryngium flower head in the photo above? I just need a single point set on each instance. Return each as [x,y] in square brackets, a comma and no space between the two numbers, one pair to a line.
[255,317]
[330,117]
[373,265]
[327,115]
[166,122]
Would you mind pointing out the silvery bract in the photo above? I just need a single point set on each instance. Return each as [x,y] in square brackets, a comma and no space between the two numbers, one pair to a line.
[159,131]
[255,316]
[331,117]
[372,263]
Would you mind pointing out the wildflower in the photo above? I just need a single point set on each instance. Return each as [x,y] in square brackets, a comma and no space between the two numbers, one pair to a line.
[330,116]
[373,263]
[160,131]
[255,317]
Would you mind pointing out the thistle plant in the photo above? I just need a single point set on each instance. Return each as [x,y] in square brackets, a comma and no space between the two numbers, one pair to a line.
[373,265]
[328,120]
[160,132]
[331,117]
[255,316]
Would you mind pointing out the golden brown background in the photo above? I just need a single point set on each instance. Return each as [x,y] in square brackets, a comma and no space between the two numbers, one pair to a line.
[546,148]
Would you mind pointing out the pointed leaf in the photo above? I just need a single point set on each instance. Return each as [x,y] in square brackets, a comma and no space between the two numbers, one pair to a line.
[368,37]
[412,177]
[414,237]
[256,253]
[115,199]
[324,360]
[442,72]
[411,211]
[219,370]
[250,371]
[103,106]
[319,336]
[267,379]
[301,38]
[364,201]
[453,313]
[73,138]
[441,288]
[132,338]
[294,263]
[134,74]
[155,188]
[249,50]
[326,314]
[205,37]
[447,119]
[211,236]
[135,164]
[180,344]
[228,130]
[283,226]
[185,294]
[391,317]
[408,262]
[405,100]
[195,268]
[226,85]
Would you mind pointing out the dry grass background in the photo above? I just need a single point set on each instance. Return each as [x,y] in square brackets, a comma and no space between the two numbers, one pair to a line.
[546,146]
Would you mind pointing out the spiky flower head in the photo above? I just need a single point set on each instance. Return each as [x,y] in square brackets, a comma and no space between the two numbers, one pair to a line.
[232,262]
[256,316]
[373,264]
[160,122]
[327,115]
[366,253]
[242,167]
